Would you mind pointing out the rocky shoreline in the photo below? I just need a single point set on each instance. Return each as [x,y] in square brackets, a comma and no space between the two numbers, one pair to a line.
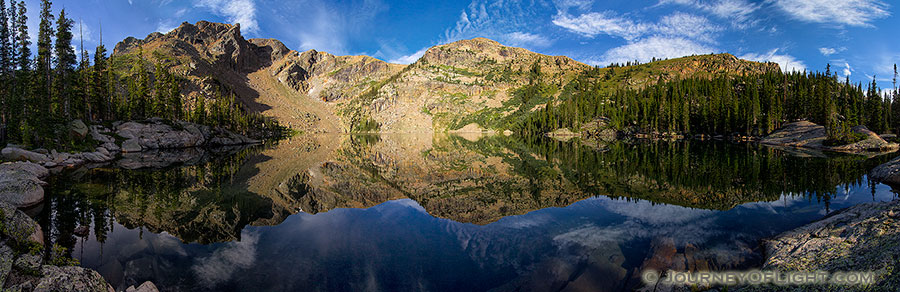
[126,138]
[24,266]
[131,145]
[804,134]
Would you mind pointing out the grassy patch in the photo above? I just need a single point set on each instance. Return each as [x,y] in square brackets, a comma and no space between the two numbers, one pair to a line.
[845,140]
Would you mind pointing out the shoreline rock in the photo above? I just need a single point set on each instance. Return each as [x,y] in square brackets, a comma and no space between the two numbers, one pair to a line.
[130,137]
[887,173]
[859,238]
[805,134]
[22,265]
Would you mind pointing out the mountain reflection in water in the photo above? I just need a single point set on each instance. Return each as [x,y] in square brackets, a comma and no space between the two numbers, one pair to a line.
[445,212]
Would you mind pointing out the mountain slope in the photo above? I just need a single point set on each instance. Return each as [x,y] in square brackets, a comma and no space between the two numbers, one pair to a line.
[468,85]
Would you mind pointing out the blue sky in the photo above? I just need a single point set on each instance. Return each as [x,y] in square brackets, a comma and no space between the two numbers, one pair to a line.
[859,38]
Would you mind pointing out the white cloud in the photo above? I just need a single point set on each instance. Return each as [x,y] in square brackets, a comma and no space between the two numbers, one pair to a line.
[737,10]
[675,25]
[597,23]
[81,30]
[226,260]
[166,25]
[323,31]
[841,12]
[688,25]
[847,70]
[526,39]
[655,46]
[497,19]
[236,11]
[788,63]
[409,59]
[827,51]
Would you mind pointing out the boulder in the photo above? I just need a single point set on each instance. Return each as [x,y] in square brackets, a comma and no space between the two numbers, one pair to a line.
[6,262]
[95,157]
[20,188]
[32,168]
[17,154]
[111,147]
[71,278]
[100,137]
[131,145]
[20,227]
[888,173]
[810,135]
[145,287]
[28,263]
[78,129]
[858,238]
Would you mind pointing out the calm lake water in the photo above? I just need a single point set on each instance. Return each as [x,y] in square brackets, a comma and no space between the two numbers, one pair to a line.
[445,213]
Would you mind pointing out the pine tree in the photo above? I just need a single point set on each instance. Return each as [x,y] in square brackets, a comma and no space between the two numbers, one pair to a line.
[42,99]
[22,40]
[84,110]
[65,62]
[20,97]
[100,97]
[5,46]
[5,69]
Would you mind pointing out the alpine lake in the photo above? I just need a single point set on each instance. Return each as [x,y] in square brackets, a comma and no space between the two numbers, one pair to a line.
[444,212]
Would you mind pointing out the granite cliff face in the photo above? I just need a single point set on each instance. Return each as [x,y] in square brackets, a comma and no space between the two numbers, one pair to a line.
[316,91]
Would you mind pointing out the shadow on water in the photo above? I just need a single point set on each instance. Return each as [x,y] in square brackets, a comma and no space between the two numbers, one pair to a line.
[444,212]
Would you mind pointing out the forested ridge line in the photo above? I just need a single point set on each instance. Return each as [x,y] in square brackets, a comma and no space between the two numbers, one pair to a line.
[753,104]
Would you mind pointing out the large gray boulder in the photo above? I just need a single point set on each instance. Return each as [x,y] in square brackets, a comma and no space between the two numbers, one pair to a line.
[20,228]
[71,278]
[131,145]
[888,173]
[20,188]
[32,168]
[17,154]
[78,129]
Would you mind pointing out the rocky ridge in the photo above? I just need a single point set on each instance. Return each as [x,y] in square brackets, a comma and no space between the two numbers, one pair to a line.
[451,87]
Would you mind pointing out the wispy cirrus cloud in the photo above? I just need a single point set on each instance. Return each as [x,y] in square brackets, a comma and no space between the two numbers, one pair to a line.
[653,47]
[840,12]
[739,11]
[828,51]
[674,35]
[235,11]
[409,59]
[600,23]
[526,39]
[788,63]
